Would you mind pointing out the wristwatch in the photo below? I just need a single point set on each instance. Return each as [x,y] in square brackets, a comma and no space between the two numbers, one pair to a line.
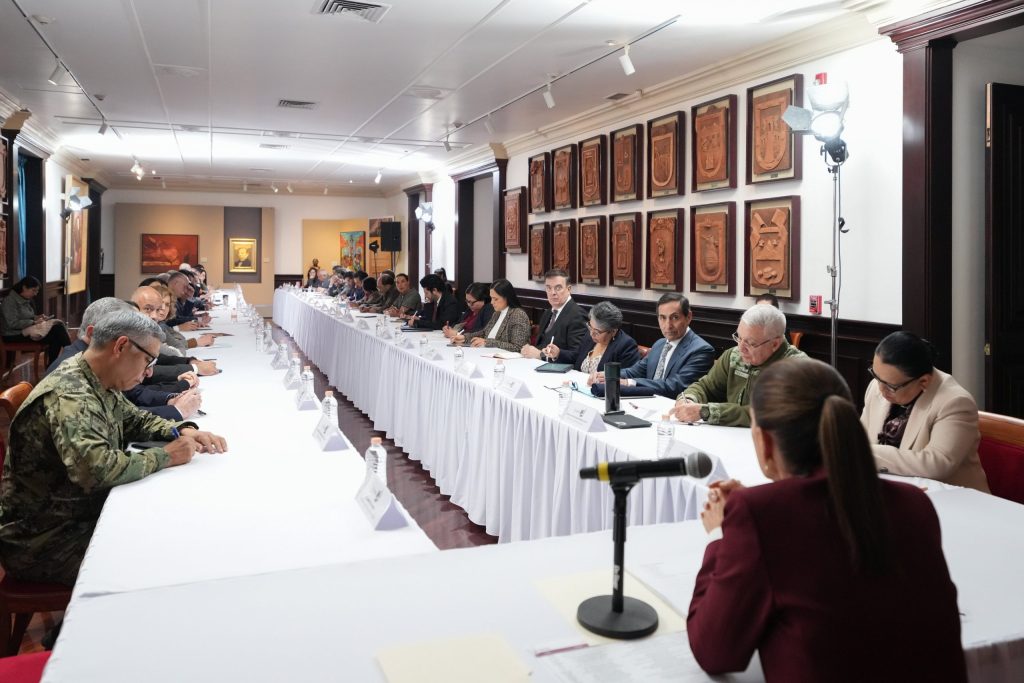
[705,413]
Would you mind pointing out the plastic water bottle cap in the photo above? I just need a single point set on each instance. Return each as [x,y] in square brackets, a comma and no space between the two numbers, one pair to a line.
[666,417]
[375,441]
[330,393]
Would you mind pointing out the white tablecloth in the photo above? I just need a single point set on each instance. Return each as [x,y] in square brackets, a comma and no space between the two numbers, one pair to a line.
[512,464]
[327,623]
[273,502]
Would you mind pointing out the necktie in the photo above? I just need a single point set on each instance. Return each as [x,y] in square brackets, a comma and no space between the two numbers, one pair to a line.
[551,323]
[436,304]
[659,373]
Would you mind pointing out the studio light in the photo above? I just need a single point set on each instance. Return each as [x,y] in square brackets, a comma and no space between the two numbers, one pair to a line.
[824,120]
[75,203]
[626,62]
[380,176]
[488,126]
[549,99]
[425,212]
[54,78]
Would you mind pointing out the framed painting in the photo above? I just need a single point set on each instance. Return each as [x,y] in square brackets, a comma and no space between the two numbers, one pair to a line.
[713,248]
[563,173]
[713,154]
[514,219]
[352,250]
[666,151]
[3,170]
[244,256]
[665,249]
[772,152]
[375,225]
[3,245]
[627,149]
[563,246]
[540,183]
[626,249]
[593,155]
[161,253]
[540,251]
[593,256]
[772,247]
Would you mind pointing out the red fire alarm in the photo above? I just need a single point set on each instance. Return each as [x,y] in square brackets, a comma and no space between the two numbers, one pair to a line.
[821,79]
[815,304]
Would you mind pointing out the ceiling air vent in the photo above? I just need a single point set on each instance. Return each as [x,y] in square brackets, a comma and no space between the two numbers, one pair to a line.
[296,104]
[615,97]
[266,146]
[366,11]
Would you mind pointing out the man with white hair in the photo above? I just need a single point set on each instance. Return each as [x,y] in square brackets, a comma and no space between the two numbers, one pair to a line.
[722,397]
[68,449]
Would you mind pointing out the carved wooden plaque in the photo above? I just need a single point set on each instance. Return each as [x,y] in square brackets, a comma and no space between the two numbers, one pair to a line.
[539,253]
[664,249]
[563,246]
[665,155]
[515,220]
[772,257]
[593,250]
[626,249]
[627,148]
[3,246]
[593,171]
[3,170]
[540,183]
[714,144]
[771,150]
[712,253]
[563,162]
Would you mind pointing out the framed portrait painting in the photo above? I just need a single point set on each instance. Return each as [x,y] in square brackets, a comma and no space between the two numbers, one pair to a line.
[713,248]
[540,252]
[772,247]
[772,150]
[666,150]
[563,246]
[164,252]
[352,250]
[713,154]
[625,249]
[563,173]
[593,155]
[514,219]
[627,150]
[243,255]
[540,183]
[665,249]
[593,256]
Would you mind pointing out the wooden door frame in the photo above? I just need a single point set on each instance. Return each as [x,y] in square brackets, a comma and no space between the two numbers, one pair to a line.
[465,220]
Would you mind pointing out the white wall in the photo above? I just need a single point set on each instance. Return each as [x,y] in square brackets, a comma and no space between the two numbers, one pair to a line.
[871,192]
[483,230]
[53,203]
[998,58]
[289,212]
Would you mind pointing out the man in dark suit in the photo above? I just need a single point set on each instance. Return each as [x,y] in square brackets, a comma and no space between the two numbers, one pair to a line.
[677,359]
[441,308]
[564,324]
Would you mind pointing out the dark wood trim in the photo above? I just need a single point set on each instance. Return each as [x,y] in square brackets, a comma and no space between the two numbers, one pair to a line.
[93,279]
[478,172]
[960,22]
[465,220]
[499,180]
[413,267]
[286,278]
[53,298]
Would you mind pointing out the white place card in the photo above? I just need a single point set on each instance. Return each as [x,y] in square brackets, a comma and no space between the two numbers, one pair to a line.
[513,388]
[379,505]
[304,401]
[386,333]
[346,316]
[586,418]
[433,354]
[468,369]
[406,343]
[362,324]
[328,436]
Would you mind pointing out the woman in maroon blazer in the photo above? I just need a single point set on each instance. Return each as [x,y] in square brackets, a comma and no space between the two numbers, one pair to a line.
[831,573]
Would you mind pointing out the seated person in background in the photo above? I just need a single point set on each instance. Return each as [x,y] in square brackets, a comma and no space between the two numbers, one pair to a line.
[802,568]
[408,300]
[168,367]
[388,295]
[313,273]
[769,299]
[509,326]
[17,315]
[606,343]
[174,338]
[675,360]
[168,405]
[478,311]
[722,397]
[441,309]
[337,282]
[325,280]
[67,450]
[184,317]
[371,295]
[564,324]
[443,274]
[919,419]
[357,286]
[204,288]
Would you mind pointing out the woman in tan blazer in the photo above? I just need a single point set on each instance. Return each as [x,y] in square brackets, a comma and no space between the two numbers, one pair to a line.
[509,326]
[919,420]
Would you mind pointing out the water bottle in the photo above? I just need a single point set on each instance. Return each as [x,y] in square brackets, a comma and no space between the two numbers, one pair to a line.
[260,341]
[281,357]
[459,355]
[377,459]
[329,406]
[666,431]
[293,377]
[564,396]
[423,345]
[499,372]
[268,339]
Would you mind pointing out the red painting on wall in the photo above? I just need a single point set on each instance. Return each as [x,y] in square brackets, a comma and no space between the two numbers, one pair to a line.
[161,253]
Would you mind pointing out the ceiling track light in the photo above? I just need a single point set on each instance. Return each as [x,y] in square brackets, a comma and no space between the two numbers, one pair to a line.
[54,78]
[549,99]
[325,190]
[163,184]
[138,170]
[380,176]
[103,127]
[626,62]
[488,125]
[245,186]
[273,187]
[289,188]
[447,145]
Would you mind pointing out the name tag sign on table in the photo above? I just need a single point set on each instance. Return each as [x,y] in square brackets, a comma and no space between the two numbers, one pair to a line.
[379,506]
[468,369]
[584,417]
[432,354]
[362,325]
[513,388]
[328,436]
[406,343]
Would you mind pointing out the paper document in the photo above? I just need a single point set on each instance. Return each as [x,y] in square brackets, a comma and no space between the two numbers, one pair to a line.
[472,659]
[656,658]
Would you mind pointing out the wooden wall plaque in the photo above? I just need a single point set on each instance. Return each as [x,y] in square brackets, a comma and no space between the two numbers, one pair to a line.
[593,156]
[563,173]
[3,170]
[540,183]
[713,248]
[3,246]
[626,248]
[627,171]
[540,252]
[772,247]
[714,144]
[593,256]
[773,152]
[665,249]
[563,247]
[515,219]
[666,151]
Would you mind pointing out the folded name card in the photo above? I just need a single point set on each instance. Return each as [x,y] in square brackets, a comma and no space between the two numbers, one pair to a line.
[513,388]
[586,418]
[432,354]
[468,369]
[304,401]
[386,333]
[379,506]
[328,436]
[361,325]
[406,343]
[346,316]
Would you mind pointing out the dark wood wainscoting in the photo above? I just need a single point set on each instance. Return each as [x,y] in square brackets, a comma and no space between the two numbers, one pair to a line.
[54,302]
[286,279]
[857,339]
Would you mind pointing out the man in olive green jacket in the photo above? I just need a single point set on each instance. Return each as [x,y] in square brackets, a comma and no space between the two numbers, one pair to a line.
[722,397]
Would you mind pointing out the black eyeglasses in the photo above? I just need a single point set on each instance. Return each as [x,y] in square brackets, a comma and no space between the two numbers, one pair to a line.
[152,358]
[891,387]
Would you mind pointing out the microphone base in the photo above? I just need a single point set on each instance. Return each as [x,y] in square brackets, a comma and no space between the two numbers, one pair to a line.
[636,620]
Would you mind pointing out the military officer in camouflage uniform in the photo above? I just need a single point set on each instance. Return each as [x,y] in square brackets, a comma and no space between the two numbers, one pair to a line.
[67,449]
[722,397]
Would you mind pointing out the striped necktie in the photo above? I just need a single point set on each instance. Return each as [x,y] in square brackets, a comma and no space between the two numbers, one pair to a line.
[663,361]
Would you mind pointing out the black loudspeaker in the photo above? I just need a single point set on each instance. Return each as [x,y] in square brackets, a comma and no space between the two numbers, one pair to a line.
[390,236]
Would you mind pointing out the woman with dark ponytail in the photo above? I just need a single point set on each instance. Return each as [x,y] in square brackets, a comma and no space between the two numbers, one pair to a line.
[831,573]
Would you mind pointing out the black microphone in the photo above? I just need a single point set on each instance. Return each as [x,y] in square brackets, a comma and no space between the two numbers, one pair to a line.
[697,464]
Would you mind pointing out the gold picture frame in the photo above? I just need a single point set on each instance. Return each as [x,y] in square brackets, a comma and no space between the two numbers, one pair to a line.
[244,256]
